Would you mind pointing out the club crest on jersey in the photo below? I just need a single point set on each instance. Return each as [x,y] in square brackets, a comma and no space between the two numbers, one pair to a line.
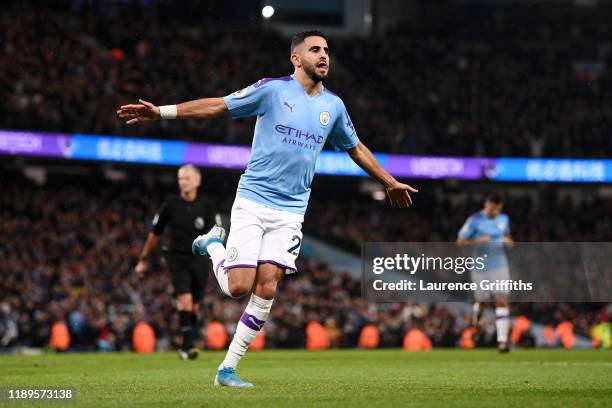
[199,223]
[324,118]
[500,225]
[232,254]
[241,93]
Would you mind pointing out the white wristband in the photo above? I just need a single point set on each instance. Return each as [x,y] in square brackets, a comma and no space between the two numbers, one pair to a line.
[168,111]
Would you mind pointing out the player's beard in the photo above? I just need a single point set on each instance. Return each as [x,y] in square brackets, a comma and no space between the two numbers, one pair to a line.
[311,71]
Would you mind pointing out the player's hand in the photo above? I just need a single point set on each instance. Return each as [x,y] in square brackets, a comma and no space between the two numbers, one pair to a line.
[508,241]
[140,112]
[485,239]
[399,194]
[141,268]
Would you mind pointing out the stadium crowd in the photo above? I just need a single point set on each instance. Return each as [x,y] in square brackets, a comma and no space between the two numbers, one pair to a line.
[68,254]
[518,85]
[350,222]
[509,83]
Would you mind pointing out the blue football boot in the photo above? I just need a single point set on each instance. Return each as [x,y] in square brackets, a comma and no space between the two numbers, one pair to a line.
[226,377]
[199,245]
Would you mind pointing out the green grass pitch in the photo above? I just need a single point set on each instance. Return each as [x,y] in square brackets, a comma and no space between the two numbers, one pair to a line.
[348,378]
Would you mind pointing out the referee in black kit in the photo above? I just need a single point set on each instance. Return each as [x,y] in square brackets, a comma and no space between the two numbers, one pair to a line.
[187,215]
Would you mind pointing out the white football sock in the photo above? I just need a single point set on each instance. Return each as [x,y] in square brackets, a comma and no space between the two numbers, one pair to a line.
[251,322]
[476,308]
[502,323]
[216,250]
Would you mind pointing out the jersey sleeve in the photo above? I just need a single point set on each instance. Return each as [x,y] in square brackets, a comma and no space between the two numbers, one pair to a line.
[468,230]
[507,227]
[253,100]
[343,135]
[161,219]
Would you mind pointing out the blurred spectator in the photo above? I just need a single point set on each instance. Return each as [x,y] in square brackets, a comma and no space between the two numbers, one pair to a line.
[475,81]
[68,252]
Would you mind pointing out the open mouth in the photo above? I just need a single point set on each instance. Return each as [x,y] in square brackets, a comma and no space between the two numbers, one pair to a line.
[322,65]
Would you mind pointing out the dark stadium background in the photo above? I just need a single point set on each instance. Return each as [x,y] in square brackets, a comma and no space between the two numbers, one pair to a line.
[435,78]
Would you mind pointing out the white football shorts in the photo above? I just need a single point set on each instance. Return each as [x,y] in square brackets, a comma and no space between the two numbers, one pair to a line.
[259,234]
[498,274]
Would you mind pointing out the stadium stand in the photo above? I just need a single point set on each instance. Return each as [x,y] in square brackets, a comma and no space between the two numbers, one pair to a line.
[69,247]
[487,90]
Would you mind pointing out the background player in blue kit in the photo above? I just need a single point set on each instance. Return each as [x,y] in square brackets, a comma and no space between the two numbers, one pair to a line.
[296,115]
[489,231]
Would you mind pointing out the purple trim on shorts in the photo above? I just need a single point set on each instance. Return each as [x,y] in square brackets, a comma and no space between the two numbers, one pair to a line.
[266,80]
[502,317]
[280,265]
[251,321]
[218,265]
[239,266]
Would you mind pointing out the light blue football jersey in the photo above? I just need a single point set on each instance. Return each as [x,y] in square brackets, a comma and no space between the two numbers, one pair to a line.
[290,132]
[479,225]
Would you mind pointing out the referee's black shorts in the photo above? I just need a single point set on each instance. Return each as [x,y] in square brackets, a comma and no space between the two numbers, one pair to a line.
[188,273]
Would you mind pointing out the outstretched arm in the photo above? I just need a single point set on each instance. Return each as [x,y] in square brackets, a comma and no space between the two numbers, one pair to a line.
[398,193]
[199,109]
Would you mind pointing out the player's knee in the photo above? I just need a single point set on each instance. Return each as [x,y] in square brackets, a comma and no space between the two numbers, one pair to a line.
[240,282]
[501,303]
[501,300]
[239,288]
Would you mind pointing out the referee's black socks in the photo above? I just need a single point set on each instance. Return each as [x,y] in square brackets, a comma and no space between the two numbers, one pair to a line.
[194,325]
[187,329]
